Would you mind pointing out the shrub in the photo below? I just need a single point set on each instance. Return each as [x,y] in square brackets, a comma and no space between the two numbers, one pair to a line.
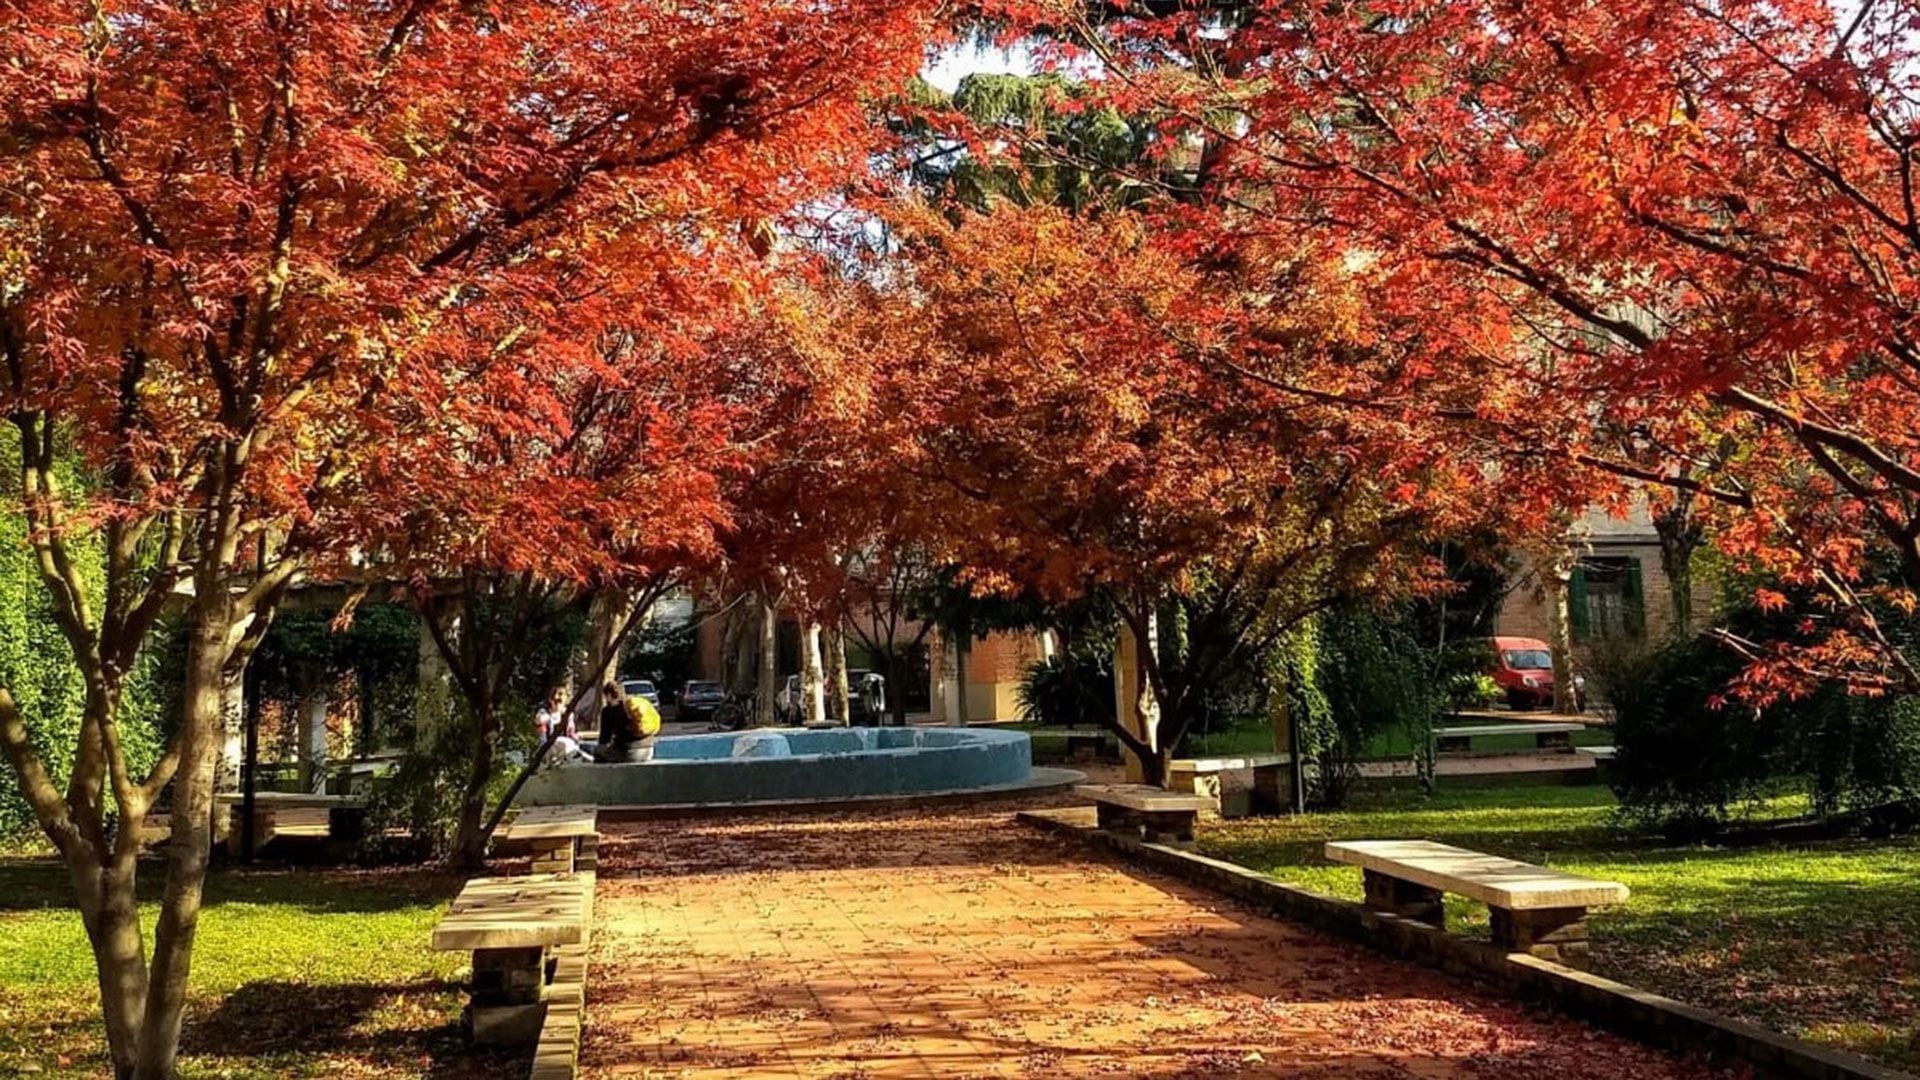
[1689,756]
[1682,757]
[424,791]
[1068,689]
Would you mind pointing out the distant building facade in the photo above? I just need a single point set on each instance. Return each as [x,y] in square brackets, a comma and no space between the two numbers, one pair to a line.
[1619,591]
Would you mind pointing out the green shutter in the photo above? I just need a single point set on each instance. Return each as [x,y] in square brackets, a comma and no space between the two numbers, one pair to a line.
[1577,603]
[1636,599]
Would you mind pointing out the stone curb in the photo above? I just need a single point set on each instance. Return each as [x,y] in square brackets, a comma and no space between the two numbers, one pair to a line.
[1044,780]
[1638,1014]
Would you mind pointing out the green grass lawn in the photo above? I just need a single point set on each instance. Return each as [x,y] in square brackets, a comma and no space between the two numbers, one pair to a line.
[1817,940]
[296,973]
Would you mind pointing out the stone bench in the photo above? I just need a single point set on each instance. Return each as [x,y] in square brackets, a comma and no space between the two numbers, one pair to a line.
[1149,812]
[346,817]
[1535,910]
[1089,744]
[518,930]
[563,838]
[1270,788]
[1545,736]
[1603,759]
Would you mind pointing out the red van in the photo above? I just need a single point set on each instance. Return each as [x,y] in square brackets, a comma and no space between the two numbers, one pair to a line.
[1523,667]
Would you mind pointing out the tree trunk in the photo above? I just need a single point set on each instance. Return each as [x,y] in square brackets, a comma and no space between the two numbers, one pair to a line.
[840,703]
[111,917]
[960,650]
[1561,571]
[1138,718]
[769,662]
[1680,536]
[469,850]
[190,823]
[740,640]
[896,687]
[813,682]
[610,610]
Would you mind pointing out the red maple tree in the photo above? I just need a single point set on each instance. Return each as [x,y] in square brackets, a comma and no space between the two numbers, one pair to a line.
[1102,410]
[1676,244]
[236,232]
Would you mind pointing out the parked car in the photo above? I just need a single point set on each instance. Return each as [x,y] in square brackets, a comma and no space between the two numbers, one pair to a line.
[641,688]
[698,700]
[1523,668]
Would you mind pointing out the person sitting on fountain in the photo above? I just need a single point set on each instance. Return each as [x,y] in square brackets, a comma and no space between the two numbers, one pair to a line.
[553,722]
[628,726]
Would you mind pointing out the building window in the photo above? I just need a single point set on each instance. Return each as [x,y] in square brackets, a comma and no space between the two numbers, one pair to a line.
[1606,598]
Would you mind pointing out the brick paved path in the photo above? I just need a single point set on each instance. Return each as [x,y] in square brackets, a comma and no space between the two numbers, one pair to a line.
[963,944]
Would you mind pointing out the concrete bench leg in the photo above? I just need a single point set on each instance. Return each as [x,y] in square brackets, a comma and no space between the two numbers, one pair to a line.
[262,829]
[1222,798]
[1558,934]
[1449,744]
[1554,740]
[1273,789]
[346,830]
[554,859]
[1406,899]
[1163,827]
[507,1003]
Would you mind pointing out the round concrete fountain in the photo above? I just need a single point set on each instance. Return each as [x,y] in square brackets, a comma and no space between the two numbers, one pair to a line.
[798,765]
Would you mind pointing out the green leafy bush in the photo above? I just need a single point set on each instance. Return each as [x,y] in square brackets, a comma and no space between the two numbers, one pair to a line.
[1690,756]
[1682,757]
[1068,689]
[424,791]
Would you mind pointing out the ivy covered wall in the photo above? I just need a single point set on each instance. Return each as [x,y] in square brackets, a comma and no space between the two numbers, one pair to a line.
[36,663]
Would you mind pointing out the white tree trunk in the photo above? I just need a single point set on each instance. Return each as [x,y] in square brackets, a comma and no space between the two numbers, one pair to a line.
[813,684]
[769,662]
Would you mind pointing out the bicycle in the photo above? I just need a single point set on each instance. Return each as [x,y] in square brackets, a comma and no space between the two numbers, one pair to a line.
[734,712]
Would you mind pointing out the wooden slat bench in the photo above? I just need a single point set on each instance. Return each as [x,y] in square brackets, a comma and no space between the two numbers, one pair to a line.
[346,817]
[1149,812]
[1270,789]
[563,838]
[1545,736]
[1535,909]
[511,925]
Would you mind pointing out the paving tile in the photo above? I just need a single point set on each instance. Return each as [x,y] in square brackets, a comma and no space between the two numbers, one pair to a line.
[961,944]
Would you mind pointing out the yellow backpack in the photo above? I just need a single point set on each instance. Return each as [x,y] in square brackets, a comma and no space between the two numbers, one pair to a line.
[646,718]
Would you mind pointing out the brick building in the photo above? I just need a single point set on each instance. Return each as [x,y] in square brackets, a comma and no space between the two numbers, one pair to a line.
[1619,590]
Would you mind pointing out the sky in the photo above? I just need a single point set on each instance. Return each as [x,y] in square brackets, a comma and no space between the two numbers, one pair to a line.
[959,61]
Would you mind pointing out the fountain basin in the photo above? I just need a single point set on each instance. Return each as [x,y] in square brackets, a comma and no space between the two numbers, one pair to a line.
[778,765]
